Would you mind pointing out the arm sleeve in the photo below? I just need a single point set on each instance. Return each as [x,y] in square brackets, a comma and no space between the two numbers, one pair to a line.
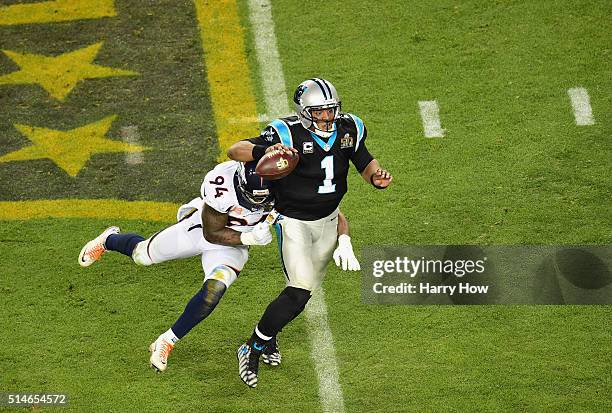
[268,137]
[361,157]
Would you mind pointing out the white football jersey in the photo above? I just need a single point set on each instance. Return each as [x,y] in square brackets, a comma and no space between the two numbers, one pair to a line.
[219,193]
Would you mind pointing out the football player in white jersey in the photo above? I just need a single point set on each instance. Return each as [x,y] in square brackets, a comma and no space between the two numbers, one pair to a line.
[229,216]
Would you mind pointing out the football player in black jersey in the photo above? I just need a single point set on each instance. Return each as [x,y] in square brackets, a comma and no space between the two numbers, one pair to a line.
[307,199]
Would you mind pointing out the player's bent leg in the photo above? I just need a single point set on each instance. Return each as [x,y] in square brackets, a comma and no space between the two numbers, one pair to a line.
[178,241]
[199,307]
[140,255]
[93,250]
[123,243]
[277,315]
[290,303]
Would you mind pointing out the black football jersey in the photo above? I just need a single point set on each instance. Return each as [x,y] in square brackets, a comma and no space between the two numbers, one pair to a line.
[318,183]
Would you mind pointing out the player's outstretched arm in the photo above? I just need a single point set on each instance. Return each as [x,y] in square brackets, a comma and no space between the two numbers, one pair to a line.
[214,226]
[241,151]
[376,176]
[246,151]
[215,230]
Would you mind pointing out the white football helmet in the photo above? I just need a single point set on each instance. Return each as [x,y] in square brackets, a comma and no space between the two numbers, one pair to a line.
[316,94]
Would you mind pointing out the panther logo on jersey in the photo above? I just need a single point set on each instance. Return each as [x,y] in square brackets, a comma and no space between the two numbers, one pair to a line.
[268,134]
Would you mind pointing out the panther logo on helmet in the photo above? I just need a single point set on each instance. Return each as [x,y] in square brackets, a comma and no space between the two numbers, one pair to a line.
[297,96]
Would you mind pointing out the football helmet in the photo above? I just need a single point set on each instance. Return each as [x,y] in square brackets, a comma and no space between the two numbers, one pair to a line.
[317,94]
[251,188]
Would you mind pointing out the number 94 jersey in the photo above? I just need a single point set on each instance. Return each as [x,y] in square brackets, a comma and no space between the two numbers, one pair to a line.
[315,188]
[219,192]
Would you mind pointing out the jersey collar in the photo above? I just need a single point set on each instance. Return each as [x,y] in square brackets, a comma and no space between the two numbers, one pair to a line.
[330,142]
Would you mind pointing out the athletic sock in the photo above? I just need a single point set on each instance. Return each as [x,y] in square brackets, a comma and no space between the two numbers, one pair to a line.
[281,311]
[123,243]
[169,336]
[199,307]
[258,340]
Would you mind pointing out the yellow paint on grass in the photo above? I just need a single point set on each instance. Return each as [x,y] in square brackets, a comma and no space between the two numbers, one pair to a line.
[88,208]
[70,150]
[58,75]
[228,73]
[56,11]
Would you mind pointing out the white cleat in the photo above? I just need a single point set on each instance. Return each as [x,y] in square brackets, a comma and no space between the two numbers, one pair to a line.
[93,250]
[160,350]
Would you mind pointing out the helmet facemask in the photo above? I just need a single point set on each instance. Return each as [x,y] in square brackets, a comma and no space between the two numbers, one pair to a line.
[323,126]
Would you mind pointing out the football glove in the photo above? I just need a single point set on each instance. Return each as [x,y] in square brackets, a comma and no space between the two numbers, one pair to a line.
[344,255]
[260,235]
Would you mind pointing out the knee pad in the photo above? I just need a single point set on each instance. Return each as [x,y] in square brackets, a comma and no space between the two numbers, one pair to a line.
[212,291]
[141,255]
[227,275]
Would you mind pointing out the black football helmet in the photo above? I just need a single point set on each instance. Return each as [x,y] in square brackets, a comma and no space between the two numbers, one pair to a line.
[251,188]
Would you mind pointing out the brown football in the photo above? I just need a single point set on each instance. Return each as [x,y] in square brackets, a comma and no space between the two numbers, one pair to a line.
[276,165]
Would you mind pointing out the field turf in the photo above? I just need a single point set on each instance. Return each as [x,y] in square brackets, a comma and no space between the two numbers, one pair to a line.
[513,168]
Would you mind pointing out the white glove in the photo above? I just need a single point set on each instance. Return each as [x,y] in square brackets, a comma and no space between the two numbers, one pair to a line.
[344,255]
[260,235]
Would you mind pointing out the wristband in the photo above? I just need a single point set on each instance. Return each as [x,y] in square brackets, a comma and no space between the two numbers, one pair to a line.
[258,151]
[373,184]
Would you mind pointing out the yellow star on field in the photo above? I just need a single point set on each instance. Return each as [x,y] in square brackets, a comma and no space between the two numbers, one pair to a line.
[58,75]
[70,149]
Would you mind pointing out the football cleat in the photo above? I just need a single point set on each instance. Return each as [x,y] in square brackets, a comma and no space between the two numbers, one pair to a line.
[271,354]
[160,350]
[248,364]
[93,250]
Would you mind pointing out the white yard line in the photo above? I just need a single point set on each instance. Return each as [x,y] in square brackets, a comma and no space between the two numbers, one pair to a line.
[324,354]
[582,106]
[273,80]
[268,58]
[430,114]
[129,134]
[262,118]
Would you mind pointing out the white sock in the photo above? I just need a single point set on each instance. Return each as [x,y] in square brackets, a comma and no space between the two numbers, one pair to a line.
[169,336]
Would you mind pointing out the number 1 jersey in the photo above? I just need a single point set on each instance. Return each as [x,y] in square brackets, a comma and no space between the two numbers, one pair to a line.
[318,183]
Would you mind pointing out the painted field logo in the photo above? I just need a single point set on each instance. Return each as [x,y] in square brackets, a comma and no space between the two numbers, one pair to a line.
[101,120]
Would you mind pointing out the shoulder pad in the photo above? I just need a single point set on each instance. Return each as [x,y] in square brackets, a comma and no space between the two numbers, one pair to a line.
[359,126]
[283,131]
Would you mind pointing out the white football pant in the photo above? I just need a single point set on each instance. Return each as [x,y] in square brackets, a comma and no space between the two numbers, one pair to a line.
[185,239]
[306,247]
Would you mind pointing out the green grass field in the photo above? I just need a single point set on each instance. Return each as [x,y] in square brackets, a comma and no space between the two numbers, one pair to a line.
[513,168]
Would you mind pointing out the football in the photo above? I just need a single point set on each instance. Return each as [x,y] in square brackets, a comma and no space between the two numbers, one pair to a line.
[276,165]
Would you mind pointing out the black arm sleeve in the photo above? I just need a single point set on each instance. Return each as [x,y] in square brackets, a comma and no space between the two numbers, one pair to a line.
[268,137]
